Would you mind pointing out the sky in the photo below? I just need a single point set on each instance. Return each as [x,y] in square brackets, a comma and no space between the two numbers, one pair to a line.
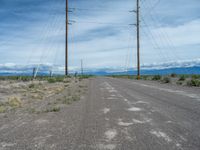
[101,33]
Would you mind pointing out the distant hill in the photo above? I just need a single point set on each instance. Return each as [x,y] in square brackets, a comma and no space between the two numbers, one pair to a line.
[107,71]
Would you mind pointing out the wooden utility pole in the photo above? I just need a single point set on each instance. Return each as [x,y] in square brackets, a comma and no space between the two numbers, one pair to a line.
[138,39]
[66,42]
[34,72]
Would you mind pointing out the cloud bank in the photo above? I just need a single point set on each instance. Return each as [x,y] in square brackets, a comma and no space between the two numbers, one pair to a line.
[33,32]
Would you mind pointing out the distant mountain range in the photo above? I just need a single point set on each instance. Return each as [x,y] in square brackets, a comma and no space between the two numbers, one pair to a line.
[189,70]
[44,71]
[178,67]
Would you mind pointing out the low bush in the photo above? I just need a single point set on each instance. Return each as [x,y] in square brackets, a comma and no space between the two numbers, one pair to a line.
[55,79]
[182,78]
[51,80]
[166,80]
[179,83]
[85,76]
[173,75]
[156,77]
[145,77]
[194,82]
[53,109]
[195,76]
[31,86]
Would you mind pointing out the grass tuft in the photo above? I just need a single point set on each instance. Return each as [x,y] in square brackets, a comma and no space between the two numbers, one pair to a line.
[14,102]
[2,109]
[53,109]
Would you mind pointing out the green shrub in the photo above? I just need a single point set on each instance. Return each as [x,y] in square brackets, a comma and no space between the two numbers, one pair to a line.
[55,79]
[173,75]
[51,80]
[144,77]
[156,77]
[59,79]
[31,86]
[25,78]
[70,99]
[85,76]
[194,82]
[179,83]
[166,80]
[195,76]
[53,109]
[182,78]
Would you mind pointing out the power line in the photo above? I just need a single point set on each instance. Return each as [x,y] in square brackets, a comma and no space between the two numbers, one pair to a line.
[162,33]
[102,23]
[99,9]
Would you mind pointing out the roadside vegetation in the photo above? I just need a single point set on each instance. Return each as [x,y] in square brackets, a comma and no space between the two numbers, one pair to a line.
[40,95]
[184,80]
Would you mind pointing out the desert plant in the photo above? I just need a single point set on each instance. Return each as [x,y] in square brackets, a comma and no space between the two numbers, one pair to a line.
[173,75]
[85,76]
[156,77]
[166,80]
[51,80]
[144,77]
[53,109]
[182,78]
[195,76]
[179,83]
[55,79]
[67,100]
[194,82]
[32,85]
[14,102]
[2,109]
[31,110]
[75,98]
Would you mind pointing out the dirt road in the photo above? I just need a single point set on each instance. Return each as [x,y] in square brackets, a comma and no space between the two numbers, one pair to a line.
[114,114]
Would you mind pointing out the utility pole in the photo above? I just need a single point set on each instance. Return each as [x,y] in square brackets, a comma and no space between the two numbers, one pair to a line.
[34,72]
[50,73]
[138,39]
[66,42]
[81,67]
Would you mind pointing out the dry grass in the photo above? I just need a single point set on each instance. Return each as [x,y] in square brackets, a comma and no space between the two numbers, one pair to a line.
[14,102]
[2,109]
[36,98]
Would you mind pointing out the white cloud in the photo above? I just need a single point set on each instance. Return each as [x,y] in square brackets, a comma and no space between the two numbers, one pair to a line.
[184,34]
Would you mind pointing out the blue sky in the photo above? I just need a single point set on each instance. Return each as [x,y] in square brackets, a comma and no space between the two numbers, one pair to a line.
[33,32]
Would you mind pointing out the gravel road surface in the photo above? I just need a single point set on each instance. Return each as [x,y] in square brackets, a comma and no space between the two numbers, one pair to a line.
[115,114]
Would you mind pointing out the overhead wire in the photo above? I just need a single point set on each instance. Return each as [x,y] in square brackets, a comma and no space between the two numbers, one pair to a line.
[164,37]
[98,9]
[44,39]
[43,35]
